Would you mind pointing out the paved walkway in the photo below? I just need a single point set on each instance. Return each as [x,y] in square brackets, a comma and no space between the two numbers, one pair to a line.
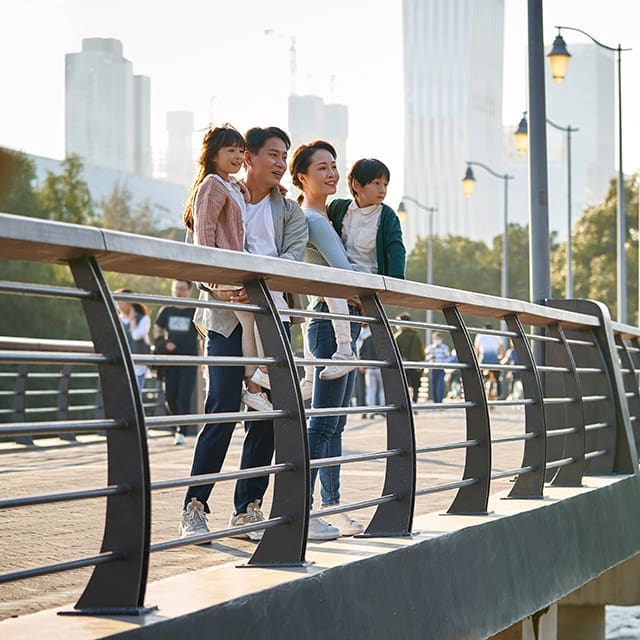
[33,536]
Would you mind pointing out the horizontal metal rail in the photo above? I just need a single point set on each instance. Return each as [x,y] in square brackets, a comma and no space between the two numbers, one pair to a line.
[49,428]
[512,472]
[319,463]
[447,486]
[353,506]
[45,290]
[68,496]
[447,446]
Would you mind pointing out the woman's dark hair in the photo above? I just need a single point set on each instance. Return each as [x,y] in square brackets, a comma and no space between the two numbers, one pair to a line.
[257,136]
[215,138]
[367,170]
[301,160]
[138,307]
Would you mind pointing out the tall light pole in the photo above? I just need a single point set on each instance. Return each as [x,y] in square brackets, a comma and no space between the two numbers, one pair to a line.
[430,210]
[521,136]
[559,60]
[468,185]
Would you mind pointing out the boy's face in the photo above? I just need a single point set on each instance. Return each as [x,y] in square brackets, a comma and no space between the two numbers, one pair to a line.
[373,193]
[268,166]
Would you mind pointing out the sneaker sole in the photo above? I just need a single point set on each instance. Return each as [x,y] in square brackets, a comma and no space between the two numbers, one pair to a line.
[343,372]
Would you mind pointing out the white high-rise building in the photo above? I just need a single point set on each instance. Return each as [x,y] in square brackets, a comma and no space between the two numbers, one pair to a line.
[107,108]
[453,57]
[180,167]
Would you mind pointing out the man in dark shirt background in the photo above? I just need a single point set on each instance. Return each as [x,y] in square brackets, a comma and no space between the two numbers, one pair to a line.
[175,334]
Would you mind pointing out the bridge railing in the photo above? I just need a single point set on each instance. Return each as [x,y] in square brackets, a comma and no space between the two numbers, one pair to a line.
[578,372]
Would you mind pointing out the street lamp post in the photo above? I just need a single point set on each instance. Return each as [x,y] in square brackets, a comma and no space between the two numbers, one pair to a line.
[468,185]
[559,60]
[430,210]
[521,136]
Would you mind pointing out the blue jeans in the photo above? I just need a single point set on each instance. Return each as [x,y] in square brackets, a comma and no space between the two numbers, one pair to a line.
[325,432]
[437,385]
[225,387]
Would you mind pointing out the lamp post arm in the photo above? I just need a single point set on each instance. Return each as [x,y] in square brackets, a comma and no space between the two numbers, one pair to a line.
[419,204]
[600,44]
[567,129]
[504,176]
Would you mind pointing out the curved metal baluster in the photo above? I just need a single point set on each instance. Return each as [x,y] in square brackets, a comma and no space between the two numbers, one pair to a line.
[118,586]
[393,518]
[474,497]
[531,484]
[284,545]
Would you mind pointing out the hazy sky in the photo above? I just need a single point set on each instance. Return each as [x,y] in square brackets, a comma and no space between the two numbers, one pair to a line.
[193,50]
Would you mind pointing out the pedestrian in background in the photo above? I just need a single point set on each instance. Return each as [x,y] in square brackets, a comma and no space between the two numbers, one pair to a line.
[437,351]
[411,349]
[175,334]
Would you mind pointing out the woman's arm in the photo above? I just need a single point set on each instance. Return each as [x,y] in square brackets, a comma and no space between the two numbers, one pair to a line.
[141,329]
[324,238]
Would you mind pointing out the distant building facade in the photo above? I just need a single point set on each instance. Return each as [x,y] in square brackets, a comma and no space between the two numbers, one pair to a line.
[310,118]
[180,167]
[453,59]
[107,108]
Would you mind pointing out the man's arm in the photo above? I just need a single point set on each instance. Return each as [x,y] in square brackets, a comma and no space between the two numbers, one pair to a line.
[295,232]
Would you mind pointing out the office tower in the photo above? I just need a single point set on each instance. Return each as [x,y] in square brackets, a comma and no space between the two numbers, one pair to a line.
[453,113]
[310,118]
[107,110]
[180,167]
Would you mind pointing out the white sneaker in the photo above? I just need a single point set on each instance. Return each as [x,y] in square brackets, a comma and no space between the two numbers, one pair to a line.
[306,388]
[261,378]
[257,401]
[178,438]
[334,371]
[345,524]
[254,514]
[320,529]
[194,520]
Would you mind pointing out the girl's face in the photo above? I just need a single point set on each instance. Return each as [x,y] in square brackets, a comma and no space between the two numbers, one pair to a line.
[228,160]
[322,175]
[373,193]
[125,308]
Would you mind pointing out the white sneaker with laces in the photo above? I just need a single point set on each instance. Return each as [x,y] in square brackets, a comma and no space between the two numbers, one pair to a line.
[320,529]
[194,520]
[257,401]
[252,516]
[306,388]
[261,378]
[345,524]
[334,371]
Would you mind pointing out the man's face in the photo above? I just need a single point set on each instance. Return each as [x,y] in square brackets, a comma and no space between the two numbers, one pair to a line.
[180,289]
[268,166]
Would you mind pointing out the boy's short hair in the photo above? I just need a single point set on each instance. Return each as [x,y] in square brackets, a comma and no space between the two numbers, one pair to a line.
[367,170]
[257,136]
[404,316]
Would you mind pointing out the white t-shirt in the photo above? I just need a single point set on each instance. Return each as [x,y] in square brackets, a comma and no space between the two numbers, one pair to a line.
[359,232]
[260,239]
[488,346]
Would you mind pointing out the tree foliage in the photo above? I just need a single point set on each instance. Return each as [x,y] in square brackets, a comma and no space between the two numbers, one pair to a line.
[118,213]
[65,197]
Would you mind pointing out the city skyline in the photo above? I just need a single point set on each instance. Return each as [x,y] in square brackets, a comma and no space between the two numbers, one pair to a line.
[349,53]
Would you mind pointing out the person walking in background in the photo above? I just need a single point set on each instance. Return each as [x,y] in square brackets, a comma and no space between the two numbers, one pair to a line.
[136,323]
[411,349]
[175,334]
[275,226]
[489,350]
[437,351]
[374,389]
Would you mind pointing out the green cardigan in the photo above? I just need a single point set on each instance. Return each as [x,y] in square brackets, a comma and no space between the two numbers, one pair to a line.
[390,251]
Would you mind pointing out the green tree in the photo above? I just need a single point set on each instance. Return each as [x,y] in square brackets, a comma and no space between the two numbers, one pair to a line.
[594,251]
[18,193]
[65,197]
[118,212]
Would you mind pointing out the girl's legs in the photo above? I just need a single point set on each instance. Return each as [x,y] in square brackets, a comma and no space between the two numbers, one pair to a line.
[344,350]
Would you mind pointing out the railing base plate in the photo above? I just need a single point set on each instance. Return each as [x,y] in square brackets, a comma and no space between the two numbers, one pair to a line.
[109,611]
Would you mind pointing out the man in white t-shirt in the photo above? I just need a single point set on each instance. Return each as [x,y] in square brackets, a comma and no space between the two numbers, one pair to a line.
[275,226]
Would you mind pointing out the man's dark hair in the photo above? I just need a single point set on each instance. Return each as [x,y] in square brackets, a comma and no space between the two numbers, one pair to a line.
[257,136]
[404,316]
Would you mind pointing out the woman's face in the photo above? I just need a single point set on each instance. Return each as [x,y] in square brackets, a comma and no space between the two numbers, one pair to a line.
[373,193]
[322,175]
[124,307]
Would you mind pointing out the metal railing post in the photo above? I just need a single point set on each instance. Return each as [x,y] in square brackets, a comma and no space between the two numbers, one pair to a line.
[393,518]
[62,410]
[118,587]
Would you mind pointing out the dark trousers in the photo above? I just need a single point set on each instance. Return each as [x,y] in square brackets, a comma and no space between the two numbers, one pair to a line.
[225,387]
[437,385]
[179,383]
[413,380]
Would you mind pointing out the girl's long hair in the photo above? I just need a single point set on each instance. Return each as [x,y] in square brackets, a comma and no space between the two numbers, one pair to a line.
[138,307]
[215,138]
